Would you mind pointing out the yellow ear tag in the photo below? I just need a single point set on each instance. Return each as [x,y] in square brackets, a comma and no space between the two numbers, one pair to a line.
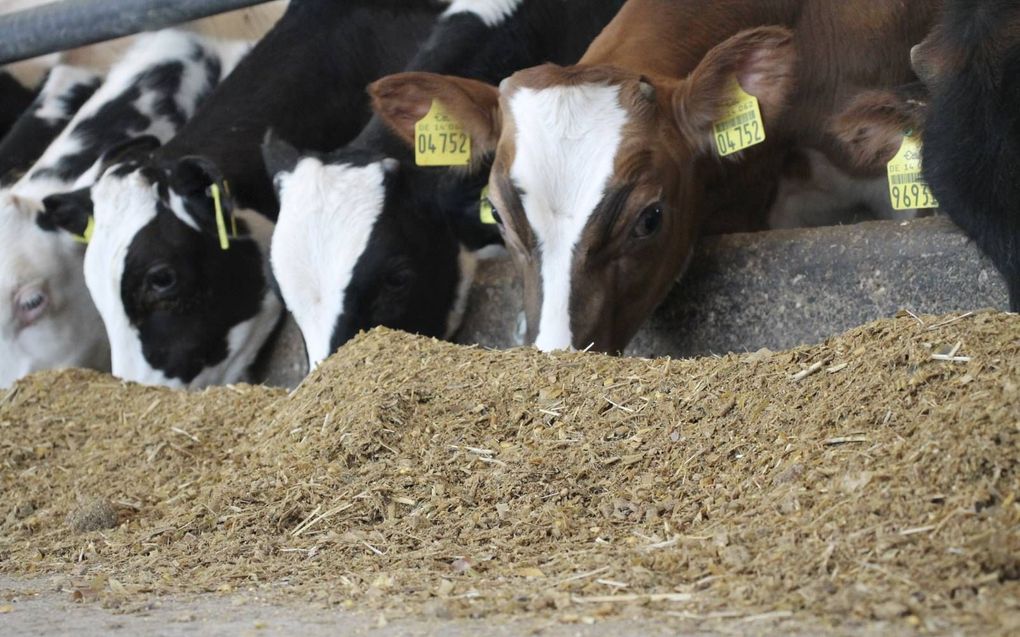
[741,125]
[221,224]
[439,140]
[907,188]
[90,228]
[486,209]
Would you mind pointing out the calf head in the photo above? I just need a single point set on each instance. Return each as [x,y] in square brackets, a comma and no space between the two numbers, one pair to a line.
[179,309]
[597,174]
[972,38]
[47,319]
[356,247]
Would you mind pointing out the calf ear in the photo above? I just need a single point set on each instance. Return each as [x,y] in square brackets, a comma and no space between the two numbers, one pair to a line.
[402,100]
[870,129]
[192,179]
[278,155]
[762,60]
[69,211]
[134,148]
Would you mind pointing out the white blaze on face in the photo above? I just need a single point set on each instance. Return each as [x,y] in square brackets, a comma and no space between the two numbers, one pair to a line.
[122,207]
[567,141]
[491,12]
[326,218]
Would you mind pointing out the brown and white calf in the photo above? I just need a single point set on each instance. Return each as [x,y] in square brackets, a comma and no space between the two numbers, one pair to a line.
[604,172]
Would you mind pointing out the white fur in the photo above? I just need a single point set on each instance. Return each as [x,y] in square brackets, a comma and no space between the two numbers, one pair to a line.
[831,197]
[61,80]
[122,207]
[326,218]
[567,141]
[491,12]
[468,262]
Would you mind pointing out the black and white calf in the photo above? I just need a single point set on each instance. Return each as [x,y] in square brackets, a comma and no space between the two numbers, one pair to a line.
[971,65]
[64,91]
[365,237]
[186,304]
[47,319]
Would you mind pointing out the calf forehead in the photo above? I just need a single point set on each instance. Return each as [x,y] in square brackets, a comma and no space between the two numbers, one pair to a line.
[123,205]
[566,141]
[327,215]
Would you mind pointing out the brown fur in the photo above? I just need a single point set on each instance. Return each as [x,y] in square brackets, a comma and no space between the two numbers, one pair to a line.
[403,99]
[872,127]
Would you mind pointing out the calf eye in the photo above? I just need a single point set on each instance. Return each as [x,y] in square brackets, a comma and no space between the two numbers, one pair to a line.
[30,306]
[398,279]
[649,223]
[161,279]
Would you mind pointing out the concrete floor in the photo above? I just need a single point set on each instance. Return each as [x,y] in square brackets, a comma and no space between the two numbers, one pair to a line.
[46,607]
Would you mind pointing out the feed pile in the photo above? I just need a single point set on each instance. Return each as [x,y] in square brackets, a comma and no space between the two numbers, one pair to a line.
[873,476]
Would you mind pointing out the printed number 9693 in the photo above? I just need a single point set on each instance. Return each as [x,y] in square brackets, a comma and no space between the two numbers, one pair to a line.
[913,196]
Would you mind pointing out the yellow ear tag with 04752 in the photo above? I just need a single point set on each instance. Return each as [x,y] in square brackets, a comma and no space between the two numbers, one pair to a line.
[86,236]
[741,125]
[907,188]
[439,140]
[486,209]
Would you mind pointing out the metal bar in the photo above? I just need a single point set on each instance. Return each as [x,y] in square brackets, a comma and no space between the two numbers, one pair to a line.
[69,24]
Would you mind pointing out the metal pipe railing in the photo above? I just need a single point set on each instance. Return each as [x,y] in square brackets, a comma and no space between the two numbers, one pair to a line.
[69,24]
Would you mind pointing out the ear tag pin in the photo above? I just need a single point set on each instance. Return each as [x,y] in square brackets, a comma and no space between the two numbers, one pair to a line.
[221,224]
[86,236]
[486,209]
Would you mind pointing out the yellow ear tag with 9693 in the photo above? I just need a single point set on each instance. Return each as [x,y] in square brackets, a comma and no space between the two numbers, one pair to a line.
[439,140]
[486,209]
[907,188]
[741,125]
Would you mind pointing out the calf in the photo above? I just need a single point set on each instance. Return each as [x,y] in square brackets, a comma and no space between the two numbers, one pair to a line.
[365,237]
[63,93]
[971,64]
[604,172]
[187,301]
[46,317]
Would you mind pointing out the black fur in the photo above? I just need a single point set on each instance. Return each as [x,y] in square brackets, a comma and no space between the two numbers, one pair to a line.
[972,133]
[305,80]
[429,213]
[14,101]
[31,135]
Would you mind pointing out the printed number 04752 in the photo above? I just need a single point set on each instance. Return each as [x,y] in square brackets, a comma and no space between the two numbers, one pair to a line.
[448,143]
